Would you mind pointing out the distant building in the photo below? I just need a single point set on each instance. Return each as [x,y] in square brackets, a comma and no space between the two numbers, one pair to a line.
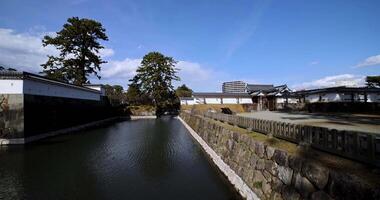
[269,97]
[221,98]
[255,87]
[340,94]
[216,98]
[234,87]
[33,107]
[187,100]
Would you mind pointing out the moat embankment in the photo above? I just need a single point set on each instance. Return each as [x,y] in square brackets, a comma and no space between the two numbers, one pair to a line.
[278,169]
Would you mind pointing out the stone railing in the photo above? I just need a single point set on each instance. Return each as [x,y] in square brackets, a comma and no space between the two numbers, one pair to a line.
[360,146]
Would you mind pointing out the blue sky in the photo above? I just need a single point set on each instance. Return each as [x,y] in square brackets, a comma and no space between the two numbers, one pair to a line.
[304,44]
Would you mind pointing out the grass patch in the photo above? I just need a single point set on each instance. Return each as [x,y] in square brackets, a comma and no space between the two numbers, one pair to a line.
[278,143]
[136,110]
[258,184]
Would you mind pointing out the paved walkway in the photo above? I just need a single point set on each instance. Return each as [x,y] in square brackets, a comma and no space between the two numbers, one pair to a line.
[354,122]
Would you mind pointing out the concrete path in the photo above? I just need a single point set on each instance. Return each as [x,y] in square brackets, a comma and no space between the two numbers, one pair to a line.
[354,122]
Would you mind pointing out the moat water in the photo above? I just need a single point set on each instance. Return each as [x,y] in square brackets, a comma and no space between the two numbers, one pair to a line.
[138,159]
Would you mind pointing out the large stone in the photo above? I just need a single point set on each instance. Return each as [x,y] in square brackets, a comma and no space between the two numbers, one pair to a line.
[252,144]
[260,165]
[277,184]
[267,176]
[320,195]
[258,176]
[289,193]
[281,157]
[247,175]
[269,152]
[230,144]
[295,163]
[267,189]
[271,167]
[317,174]
[259,149]
[253,160]
[285,174]
[276,196]
[343,186]
[303,185]
[235,136]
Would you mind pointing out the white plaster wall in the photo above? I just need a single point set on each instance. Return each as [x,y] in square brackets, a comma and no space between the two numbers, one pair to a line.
[330,97]
[11,86]
[292,100]
[36,87]
[283,100]
[373,97]
[345,97]
[213,101]
[312,98]
[199,101]
[188,102]
[97,87]
[229,101]
[280,100]
[245,101]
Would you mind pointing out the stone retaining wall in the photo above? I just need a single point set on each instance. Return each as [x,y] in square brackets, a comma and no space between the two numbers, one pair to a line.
[273,173]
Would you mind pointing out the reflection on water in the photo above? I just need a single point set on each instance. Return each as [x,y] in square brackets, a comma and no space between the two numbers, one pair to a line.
[142,159]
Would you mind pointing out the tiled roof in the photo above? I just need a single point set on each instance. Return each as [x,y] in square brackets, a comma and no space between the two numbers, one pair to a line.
[254,87]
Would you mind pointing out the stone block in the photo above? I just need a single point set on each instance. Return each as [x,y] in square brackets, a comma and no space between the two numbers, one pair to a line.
[260,165]
[259,149]
[271,167]
[348,187]
[253,160]
[303,185]
[289,193]
[258,177]
[320,195]
[317,174]
[285,174]
[267,176]
[295,163]
[276,196]
[281,157]
[277,184]
[269,152]
[267,189]
[235,136]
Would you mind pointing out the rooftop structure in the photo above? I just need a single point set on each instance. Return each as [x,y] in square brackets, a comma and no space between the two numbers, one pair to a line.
[255,87]
[217,98]
[234,87]
[16,82]
[218,94]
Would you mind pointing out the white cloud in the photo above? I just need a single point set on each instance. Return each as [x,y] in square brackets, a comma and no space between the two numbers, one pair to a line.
[191,73]
[333,81]
[106,52]
[192,70]
[370,61]
[120,69]
[25,52]
[314,63]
